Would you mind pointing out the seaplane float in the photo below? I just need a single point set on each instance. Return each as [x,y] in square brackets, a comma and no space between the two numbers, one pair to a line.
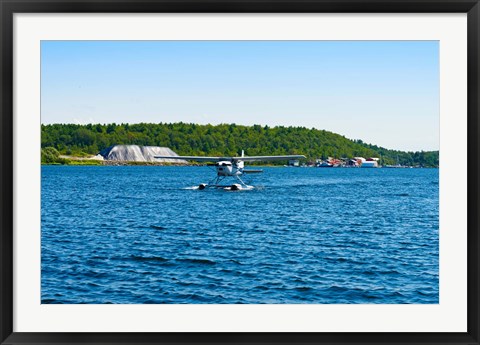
[228,168]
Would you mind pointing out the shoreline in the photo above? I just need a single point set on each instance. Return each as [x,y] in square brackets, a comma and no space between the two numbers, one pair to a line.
[132,163]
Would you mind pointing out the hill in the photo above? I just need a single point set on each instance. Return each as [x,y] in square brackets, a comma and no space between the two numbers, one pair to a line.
[222,140]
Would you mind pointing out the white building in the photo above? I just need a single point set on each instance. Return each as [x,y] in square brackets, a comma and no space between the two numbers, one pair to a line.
[294,163]
[370,164]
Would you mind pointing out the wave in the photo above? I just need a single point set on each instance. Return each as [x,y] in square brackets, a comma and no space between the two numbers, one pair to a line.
[198,261]
[190,188]
[148,258]
[158,227]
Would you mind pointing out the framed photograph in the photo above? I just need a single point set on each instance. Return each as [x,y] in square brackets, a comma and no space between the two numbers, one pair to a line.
[239,172]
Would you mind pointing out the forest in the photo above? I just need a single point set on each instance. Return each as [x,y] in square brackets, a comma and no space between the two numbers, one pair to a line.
[220,140]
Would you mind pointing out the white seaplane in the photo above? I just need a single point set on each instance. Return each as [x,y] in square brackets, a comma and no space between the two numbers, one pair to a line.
[231,167]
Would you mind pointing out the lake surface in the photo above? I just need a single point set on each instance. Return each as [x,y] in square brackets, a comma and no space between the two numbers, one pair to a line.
[138,234]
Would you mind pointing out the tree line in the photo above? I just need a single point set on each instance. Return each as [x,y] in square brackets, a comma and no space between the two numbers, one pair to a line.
[222,140]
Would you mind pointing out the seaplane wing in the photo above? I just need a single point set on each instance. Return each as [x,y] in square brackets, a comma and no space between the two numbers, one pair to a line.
[244,159]
[196,158]
[266,158]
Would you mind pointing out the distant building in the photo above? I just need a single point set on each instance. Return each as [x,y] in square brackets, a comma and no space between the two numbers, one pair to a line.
[370,164]
[294,163]
[335,162]
[351,163]
[359,160]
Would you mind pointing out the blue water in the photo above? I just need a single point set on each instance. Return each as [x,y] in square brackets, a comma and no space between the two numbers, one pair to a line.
[136,234]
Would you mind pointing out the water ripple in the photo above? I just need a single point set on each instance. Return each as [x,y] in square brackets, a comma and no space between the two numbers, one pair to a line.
[308,236]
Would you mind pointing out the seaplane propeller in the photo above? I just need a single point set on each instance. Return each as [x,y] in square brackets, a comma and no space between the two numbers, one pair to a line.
[230,167]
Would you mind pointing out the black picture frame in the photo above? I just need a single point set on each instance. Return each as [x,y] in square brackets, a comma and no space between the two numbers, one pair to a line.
[9,7]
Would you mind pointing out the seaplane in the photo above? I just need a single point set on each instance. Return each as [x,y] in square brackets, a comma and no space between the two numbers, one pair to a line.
[228,168]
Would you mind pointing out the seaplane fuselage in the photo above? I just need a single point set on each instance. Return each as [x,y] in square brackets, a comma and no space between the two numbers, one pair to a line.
[229,168]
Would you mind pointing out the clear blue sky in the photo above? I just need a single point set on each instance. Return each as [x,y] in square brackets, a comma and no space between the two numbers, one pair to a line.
[383,92]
